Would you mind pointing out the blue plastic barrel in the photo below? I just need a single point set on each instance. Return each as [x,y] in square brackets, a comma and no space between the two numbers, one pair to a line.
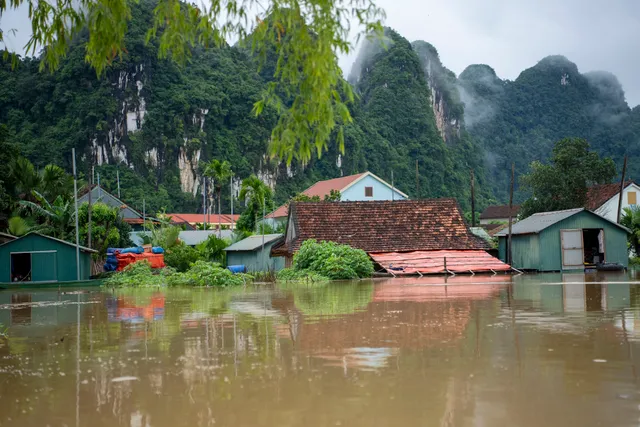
[237,269]
[157,250]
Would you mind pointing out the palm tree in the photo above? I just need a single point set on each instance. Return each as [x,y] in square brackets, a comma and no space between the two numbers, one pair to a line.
[258,196]
[57,218]
[56,182]
[631,220]
[18,226]
[24,177]
[220,172]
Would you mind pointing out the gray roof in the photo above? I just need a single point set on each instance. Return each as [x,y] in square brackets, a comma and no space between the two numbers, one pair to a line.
[538,222]
[252,243]
[480,232]
[193,237]
[189,237]
[100,195]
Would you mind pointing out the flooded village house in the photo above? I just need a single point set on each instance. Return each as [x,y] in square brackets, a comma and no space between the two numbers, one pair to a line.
[402,237]
[565,240]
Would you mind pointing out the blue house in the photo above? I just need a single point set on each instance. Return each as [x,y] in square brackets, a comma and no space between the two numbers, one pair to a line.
[362,187]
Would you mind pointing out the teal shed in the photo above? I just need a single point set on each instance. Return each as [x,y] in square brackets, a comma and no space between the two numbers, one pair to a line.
[254,253]
[36,258]
[564,240]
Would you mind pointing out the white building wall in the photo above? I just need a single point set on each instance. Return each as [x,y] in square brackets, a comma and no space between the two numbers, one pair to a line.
[381,191]
[609,209]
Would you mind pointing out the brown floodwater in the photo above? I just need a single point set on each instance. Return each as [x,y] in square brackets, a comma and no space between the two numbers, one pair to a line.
[532,350]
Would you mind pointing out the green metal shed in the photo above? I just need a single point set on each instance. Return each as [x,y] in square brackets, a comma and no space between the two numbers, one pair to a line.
[564,240]
[36,258]
[250,253]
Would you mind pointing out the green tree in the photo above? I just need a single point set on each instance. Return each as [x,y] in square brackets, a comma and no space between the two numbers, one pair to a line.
[56,219]
[54,182]
[306,35]
[105,227]
[631,220]
[563,183]
[258,197]
[220,172]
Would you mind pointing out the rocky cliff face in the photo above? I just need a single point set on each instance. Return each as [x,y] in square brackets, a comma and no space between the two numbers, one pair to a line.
[445,99]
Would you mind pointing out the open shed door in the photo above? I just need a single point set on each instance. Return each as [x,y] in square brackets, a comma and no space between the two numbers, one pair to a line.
[572,249]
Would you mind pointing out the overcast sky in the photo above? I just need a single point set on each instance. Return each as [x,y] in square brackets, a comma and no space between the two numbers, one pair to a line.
[509,35]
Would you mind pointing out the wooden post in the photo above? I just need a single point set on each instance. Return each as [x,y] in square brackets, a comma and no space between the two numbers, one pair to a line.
[624,171]
[445,264]
[89,213]
[509,252]
[417,181]
[473,200]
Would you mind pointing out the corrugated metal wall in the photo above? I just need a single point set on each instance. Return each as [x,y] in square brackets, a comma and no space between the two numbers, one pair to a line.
[615,240]
[62,270]
[526,253]
[257,260]
[543,251]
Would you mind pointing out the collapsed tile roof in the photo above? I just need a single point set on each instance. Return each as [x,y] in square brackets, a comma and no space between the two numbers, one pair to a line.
[383,226]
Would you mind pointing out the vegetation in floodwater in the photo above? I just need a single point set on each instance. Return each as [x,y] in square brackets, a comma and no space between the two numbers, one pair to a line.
[200,273]
[3,330]
[293,275]
[317,261]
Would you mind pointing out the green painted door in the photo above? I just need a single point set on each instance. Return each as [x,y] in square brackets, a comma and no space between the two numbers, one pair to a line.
[43,267]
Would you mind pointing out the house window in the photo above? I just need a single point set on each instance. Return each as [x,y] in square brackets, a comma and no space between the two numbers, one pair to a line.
[631,197]
[368,191]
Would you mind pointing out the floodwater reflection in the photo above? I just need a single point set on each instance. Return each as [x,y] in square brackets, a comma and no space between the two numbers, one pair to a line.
[526,350]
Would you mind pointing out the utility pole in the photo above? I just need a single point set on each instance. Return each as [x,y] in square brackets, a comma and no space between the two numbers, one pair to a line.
[89,211]
[118,178]
[473,199]
[231,195]
[204,202]
[264,203]
[624,172]
[509,253]
[393,188]
[144,215]
[75,197]
[417,181]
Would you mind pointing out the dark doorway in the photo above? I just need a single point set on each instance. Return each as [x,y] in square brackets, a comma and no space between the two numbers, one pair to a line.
[21,267]
[593,239]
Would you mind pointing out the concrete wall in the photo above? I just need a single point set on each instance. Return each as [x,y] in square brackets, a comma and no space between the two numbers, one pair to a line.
[381,191]
[61,267]
[610,209]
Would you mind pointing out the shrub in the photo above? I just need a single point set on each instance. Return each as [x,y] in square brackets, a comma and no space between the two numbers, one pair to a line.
[136,274]
[293,275]
[181,257]
[201,273]
[333,260]
[212,249]
[204,273]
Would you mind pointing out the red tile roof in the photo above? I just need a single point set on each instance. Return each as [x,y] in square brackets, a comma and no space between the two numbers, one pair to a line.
[598,195]
[320,189]
[384,226]
[180,218]
[498,212]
